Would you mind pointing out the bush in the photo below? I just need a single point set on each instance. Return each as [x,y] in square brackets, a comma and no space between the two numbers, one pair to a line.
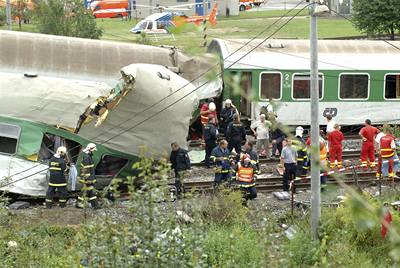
[238,245]
[65,17]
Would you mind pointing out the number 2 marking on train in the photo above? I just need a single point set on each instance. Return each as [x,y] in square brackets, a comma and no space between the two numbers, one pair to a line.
[287,77]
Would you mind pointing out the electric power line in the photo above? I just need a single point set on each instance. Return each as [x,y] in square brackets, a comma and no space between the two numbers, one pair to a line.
[191,92]
[201,75]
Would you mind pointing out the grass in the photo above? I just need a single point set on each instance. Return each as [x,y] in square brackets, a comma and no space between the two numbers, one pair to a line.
[191,36]
[246,25]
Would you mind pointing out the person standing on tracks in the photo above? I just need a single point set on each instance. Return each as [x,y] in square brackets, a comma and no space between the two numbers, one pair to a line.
[288,162]
[180,163]
[57,181]
[277,137]
[387,152]
[335,139]
[248,149]
[246,175]
[88,178]
[302,156]
[227,114]
[260,129]
[323,163]
[368,134]
[220,155]
[330,125]
[236,135]
[210,139]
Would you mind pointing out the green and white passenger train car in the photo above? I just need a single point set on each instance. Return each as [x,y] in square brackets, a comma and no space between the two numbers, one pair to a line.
[359,79]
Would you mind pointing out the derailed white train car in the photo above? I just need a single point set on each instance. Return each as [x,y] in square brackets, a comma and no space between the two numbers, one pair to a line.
[70,91]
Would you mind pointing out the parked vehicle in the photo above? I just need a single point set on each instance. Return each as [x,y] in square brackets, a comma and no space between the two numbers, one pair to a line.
[109,8]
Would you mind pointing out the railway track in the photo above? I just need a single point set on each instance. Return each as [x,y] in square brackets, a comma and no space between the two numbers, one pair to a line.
[347,155]
[274,183]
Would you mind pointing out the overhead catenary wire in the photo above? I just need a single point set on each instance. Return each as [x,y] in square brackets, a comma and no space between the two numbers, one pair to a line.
[189,82]
[192,91]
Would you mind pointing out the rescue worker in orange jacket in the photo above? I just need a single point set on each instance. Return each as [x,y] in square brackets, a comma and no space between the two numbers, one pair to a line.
[323,163]
[246,175]
[335,139]
[387,151]
[208,109]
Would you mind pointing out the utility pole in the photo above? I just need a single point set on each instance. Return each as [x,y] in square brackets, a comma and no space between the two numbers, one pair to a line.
[8,15]
[205,6]
[314,88]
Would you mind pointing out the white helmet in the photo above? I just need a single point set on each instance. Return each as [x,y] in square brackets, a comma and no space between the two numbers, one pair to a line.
[228,101]
[61,150]
[212,106]
[91,147]
[299,131]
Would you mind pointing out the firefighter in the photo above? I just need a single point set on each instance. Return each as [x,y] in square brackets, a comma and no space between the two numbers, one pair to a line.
[57,181]
[227,114]
[248,149]
[387,152]
[220,155]
[236,135]
[335,139]
[210,138]
[246,175]
[302,157]
[368,134]
[87,178]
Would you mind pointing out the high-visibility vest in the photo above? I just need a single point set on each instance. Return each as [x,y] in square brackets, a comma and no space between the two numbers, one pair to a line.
[245,174]
[385,146]
[204,119]
[322,154]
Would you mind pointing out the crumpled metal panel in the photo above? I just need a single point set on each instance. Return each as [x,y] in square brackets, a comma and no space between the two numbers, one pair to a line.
[138,123]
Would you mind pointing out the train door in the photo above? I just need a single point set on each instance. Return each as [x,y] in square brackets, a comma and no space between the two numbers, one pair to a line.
[246,94]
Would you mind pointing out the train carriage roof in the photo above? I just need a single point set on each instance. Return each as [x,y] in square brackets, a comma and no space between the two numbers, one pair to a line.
[275,54]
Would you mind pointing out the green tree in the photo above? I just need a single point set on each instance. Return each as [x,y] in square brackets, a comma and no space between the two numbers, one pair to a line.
[2,16]
[65,17]
[377,16]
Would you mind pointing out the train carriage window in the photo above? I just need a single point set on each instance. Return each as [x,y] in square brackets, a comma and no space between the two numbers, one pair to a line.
[301,86]
[110,165]
[392,86]
[354,86]
[270,86]
[9,136]
[51,142]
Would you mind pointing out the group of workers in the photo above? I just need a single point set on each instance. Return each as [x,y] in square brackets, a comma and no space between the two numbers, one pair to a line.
[57,187]
[232,162]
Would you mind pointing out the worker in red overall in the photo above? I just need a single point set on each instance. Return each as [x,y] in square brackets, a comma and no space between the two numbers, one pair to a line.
[387,151]
[368,134]
[207,110]
[335,139]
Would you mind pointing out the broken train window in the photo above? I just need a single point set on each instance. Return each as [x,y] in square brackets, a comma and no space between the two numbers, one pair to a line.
[9,136]
[51,142]
[110,165]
